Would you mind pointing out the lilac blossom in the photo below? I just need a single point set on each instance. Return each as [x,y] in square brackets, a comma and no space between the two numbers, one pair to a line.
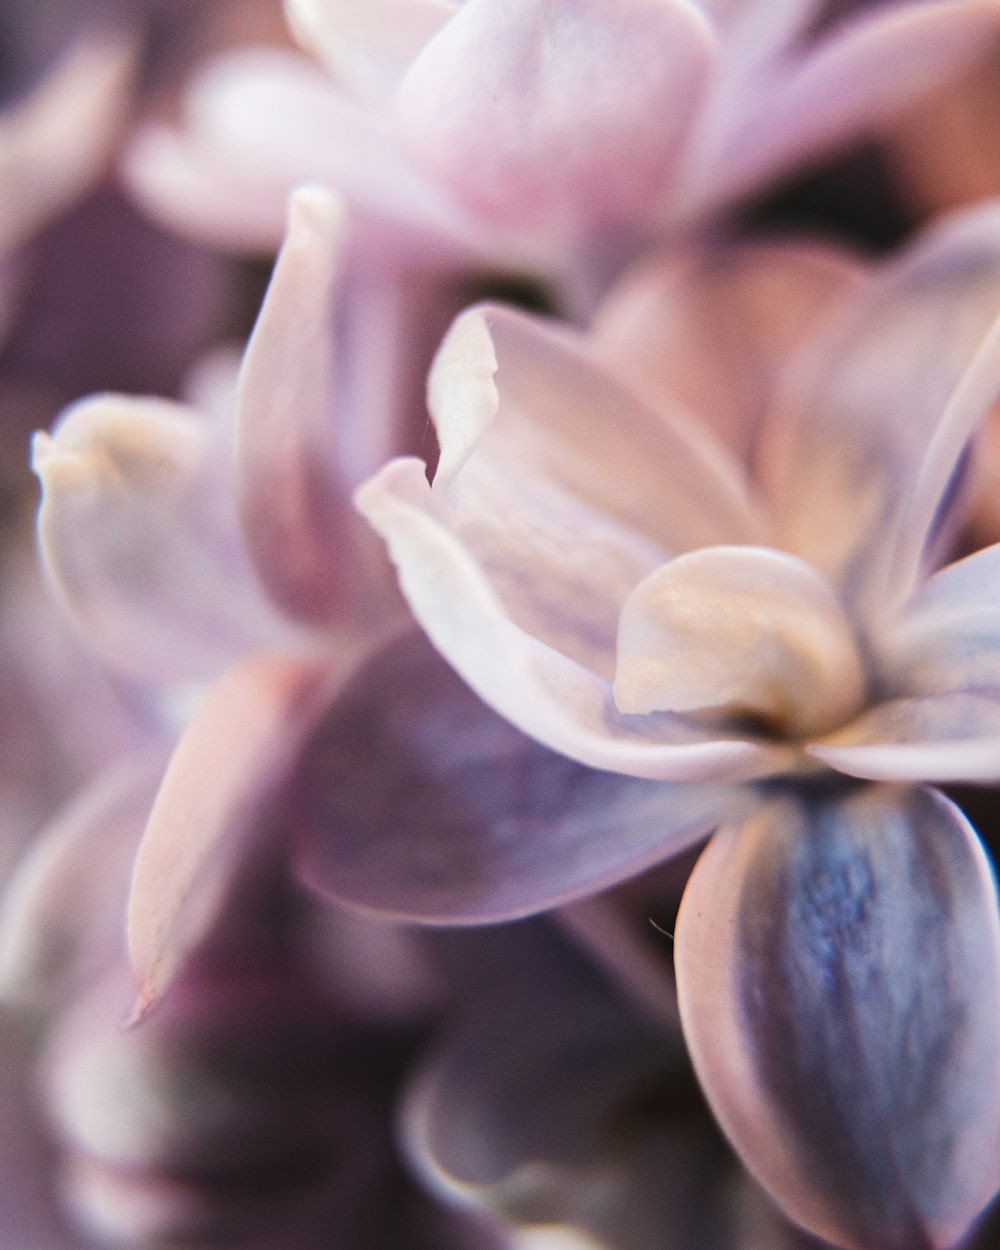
[770,641]
[518,135]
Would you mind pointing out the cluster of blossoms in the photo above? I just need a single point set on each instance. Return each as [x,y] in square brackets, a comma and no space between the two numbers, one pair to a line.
[503,679]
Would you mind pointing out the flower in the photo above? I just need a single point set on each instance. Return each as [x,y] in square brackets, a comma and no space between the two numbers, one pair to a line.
[520,135]
[774,645]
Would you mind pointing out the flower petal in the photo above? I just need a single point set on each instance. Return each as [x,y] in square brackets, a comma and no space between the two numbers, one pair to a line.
[952,736]
[712,329]
[564,486]
[542,692]
[138,532]
[64,907]
[537,116]
[55,141]
[367,46]
[237,747]
[739,631]
[838,961]
[862,408]
[415,800]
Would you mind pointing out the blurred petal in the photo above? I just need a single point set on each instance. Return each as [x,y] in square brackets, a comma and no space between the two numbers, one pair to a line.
[236,748]
[139,536]
[566,488]
[838,961]
[744,631]
[538,115]
[863,407]
[415,800]
[946,636]
[63,912]
[952,736]
[732,317]
[298,524]
[367,46]
[53,144]
[543,693]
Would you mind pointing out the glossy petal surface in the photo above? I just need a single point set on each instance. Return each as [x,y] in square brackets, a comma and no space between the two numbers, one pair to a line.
[838,961]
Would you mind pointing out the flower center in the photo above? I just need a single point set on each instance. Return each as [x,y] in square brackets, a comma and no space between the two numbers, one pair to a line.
[739,632]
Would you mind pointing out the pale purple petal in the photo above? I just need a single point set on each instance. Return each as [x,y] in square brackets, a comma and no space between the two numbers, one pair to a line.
[861,409]
[838,961]
[538,115]
[544,693]
[713,329]
[944,737]
[415,800]
[235,750]
[63,909]
[858,75]
[368,46]
[139,535]
[565,487]
[298,522]
[56,140]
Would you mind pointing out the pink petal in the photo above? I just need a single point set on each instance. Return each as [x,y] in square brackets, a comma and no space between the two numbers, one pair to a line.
[138,532]
[369,46]
[838,962]
[237,747]
[857,77]
[63,909]
[537,116]
[544,693]
[713,329]
[415,800]
[877,409]
[54,143]
[565,487]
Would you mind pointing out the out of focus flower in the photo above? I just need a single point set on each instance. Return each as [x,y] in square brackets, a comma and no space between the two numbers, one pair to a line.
[521,134]
[619,585]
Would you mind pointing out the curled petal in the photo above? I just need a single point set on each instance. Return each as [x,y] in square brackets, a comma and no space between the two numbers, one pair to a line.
[234,751]
[139,537]
[367,46]
[537,441]
[415,800]
[544,693]
[537,115]
[743,631]
[838,961]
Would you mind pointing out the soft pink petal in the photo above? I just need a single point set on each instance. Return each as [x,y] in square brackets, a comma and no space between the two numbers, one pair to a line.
[942,737]
[713,329]
[368,46]
[544,693]
[537,116]
[838,964]
[55,142]
[234,751]
[139,535]
[858,76]
[63,910]
[298,524]
[566,487]
[867,411]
